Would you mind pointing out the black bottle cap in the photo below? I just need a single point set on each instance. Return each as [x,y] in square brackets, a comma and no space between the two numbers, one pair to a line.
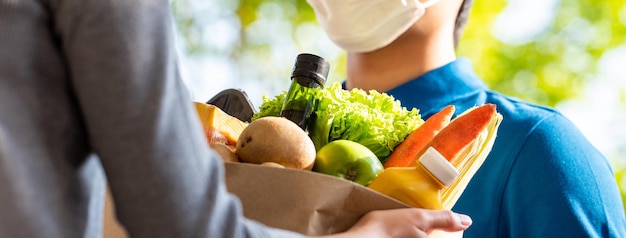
[311,66]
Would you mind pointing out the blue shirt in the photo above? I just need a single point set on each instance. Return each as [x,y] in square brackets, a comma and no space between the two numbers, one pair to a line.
[542,178]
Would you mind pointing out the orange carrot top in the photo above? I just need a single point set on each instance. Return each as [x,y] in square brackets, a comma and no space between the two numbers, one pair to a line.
[462,130]
[405,152]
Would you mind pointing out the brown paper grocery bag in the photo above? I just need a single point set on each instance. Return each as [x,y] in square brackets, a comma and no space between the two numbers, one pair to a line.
[111,227]
[302,201]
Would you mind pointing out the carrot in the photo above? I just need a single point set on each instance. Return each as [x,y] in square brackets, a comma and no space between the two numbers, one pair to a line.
[462,130]
[403,154]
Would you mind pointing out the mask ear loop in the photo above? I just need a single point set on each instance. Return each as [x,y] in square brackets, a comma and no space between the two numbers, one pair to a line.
[428,4]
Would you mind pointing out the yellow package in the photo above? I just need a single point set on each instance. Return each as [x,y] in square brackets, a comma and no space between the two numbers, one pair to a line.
[419,186]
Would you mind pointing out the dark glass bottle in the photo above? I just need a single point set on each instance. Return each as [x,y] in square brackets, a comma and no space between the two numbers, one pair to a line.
[308,75]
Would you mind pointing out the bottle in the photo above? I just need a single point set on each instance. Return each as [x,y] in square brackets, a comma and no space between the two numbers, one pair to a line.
[308,75]
[420,186]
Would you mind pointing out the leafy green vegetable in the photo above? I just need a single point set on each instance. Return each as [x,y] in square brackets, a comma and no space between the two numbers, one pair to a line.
[375,120]
[270,106]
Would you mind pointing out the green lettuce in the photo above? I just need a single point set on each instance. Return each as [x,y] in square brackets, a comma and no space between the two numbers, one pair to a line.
[375,120]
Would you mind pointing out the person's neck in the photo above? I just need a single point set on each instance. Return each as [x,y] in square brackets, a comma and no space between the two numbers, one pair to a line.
[408,57]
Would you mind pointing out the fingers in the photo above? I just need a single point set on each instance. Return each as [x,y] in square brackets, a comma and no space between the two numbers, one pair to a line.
[407,222]
[443,220]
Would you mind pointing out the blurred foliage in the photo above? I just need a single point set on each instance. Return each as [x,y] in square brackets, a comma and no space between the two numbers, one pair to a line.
[553,65]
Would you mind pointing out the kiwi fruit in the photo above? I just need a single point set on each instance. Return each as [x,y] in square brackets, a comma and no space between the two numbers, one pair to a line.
[277,140]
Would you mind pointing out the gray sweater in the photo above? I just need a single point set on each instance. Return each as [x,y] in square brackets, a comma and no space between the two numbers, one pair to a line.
[90,89]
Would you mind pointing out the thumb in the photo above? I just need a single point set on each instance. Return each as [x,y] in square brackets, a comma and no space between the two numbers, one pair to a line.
[447,221]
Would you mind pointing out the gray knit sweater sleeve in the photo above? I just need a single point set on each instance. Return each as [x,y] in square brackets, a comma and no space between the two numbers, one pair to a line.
[92,86]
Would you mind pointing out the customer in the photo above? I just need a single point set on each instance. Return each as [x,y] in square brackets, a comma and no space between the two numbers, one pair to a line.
[542,178]
[90,89]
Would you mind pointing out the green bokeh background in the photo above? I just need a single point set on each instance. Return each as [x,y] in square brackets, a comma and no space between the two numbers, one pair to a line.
[549,67]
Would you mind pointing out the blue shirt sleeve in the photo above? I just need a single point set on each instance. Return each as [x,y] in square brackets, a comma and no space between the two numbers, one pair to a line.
[568,187]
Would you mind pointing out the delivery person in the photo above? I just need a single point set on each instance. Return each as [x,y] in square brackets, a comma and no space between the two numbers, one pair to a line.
[90,89]
[542,178]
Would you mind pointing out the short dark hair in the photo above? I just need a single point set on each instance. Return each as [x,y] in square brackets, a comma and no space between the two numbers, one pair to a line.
[461,20]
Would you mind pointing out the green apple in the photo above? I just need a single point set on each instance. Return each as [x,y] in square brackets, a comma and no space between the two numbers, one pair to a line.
[348,160]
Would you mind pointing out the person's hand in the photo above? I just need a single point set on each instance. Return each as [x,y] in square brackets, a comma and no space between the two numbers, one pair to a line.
[406,222]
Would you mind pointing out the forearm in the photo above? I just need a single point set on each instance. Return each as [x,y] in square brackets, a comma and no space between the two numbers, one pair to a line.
[141,123]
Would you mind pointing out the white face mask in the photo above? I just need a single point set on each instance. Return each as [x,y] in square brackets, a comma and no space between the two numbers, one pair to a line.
[367,25]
